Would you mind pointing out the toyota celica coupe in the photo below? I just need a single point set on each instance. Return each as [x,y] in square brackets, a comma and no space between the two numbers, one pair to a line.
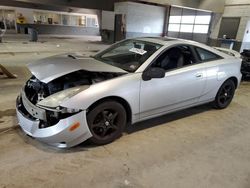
[71,98]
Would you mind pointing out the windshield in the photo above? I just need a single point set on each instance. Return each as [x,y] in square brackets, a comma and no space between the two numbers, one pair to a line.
[128,55]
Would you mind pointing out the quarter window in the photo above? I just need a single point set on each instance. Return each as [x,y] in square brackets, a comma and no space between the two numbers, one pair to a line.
[206,55]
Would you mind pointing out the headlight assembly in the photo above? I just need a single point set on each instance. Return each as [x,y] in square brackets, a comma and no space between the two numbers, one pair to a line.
[56,99]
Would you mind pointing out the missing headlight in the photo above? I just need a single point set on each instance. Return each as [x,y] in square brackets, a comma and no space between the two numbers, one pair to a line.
[54,117]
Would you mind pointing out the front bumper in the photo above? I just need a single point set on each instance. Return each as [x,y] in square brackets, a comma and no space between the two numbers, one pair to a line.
[61,134]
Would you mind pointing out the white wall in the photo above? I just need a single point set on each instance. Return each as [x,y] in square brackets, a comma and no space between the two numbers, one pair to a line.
[186,3]
[246,38]
[215,25]
[212,5]
[235,8]
[238,11]
[108,20]
[230,2]
[216,6]
[142,18]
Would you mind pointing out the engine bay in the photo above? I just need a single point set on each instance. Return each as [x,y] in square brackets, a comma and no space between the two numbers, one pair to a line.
[36,90]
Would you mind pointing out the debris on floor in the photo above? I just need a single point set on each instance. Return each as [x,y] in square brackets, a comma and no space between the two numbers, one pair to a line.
[4,71]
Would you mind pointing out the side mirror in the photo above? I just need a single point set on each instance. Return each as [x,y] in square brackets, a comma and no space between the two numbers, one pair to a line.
[153,72]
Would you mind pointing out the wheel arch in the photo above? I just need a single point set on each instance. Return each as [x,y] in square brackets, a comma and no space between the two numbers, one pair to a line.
[120,100]
[217,104]
[235,81]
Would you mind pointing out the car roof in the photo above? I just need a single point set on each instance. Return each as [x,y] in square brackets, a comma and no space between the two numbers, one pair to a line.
[168,41]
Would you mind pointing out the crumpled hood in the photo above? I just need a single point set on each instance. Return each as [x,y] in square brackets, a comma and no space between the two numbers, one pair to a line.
[54,67]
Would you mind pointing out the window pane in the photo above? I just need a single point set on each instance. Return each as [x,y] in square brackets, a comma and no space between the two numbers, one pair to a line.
[205,55]
[65,19]
[202,19]
[175,19]
[187,19]
[201,28]
[175,57]
[186,28]
[83,21]
[174,27]
[132,54]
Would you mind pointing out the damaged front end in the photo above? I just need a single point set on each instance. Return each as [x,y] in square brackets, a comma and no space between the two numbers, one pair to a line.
[41,116]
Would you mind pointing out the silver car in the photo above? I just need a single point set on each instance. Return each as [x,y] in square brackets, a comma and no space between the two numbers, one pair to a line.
[71,98]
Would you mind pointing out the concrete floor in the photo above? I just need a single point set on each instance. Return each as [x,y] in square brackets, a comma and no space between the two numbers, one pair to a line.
[198,147]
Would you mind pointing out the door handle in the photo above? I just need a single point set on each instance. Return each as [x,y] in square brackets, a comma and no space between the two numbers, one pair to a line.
[199,75]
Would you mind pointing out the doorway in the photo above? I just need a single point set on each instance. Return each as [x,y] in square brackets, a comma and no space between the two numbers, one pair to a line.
[120,27]
[229,26]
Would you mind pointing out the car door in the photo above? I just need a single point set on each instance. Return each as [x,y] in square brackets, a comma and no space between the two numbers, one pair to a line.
[214,74]
[183,84]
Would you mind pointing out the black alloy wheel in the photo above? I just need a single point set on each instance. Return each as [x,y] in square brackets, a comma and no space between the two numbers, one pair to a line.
[106,122]
[225,94]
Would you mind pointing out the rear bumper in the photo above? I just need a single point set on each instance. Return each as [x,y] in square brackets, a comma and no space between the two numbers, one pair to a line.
[61,134]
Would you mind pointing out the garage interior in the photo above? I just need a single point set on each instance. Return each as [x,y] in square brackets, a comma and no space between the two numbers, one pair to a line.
[197,147]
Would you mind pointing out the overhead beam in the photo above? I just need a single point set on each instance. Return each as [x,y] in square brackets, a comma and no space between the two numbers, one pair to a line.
[212,5]
[93,4]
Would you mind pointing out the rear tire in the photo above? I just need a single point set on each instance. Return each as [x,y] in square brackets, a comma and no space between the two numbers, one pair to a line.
[106,122]
[225,95]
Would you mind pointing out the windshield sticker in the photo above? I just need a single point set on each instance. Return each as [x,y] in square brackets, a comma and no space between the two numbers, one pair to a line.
[138,51]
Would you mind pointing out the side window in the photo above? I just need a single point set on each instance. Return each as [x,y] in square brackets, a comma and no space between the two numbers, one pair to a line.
[206,55]
[175,57]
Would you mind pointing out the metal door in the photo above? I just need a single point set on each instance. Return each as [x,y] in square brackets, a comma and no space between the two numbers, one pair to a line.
[179,88]
[229,27]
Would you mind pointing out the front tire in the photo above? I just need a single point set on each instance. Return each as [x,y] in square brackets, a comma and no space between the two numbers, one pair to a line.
[225,95]
[106,122]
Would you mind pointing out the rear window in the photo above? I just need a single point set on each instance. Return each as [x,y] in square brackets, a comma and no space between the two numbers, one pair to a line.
[206,55]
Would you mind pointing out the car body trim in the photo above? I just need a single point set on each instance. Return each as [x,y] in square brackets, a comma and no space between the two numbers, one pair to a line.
[32,109]
[58,135]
